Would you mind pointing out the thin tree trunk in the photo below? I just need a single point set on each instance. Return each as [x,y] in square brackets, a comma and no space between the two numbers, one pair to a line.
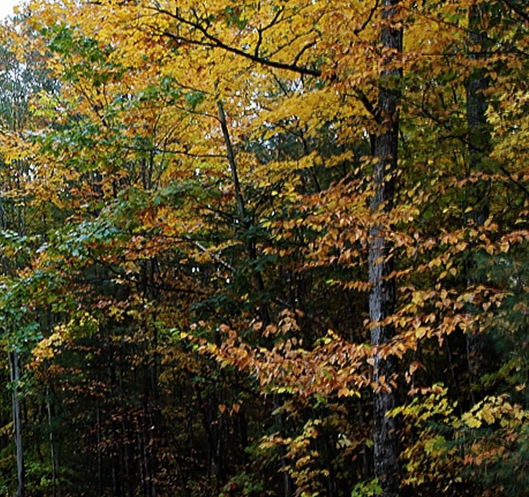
[14,363]
[52,445]
[382,297]
[259,282]
[99,447]
[243,215]
[233,165]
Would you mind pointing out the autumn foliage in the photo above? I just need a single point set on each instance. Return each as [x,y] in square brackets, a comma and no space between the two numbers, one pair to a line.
[264,248]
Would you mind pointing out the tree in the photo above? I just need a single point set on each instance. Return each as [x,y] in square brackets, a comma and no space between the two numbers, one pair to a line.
[19,80]
[382,300]
[264,245]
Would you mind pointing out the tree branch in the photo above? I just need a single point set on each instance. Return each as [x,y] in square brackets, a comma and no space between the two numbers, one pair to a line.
[214,42]
[517,10]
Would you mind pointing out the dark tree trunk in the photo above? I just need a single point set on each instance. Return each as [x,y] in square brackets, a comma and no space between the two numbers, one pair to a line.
[382,297]
[53,460]
[251,249]
[243,214]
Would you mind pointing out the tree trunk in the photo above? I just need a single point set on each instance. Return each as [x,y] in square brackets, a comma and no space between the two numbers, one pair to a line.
[52,444]
[14,363]
[263,310]
[243,215]
[382,297]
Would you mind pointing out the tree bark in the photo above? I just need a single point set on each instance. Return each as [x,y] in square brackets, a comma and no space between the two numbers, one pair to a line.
[382,297]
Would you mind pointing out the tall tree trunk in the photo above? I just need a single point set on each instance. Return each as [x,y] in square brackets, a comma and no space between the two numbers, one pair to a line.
[479,144]
[14,363]
[251,250]
[52,444]
[243,215]
[382,297]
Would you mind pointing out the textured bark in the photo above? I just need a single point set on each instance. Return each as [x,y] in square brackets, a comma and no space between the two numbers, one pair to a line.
[382,296]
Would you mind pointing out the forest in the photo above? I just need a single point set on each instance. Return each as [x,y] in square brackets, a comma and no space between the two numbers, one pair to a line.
[264,248]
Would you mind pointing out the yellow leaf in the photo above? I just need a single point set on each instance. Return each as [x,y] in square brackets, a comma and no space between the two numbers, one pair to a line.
[487,415]
[471,421]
